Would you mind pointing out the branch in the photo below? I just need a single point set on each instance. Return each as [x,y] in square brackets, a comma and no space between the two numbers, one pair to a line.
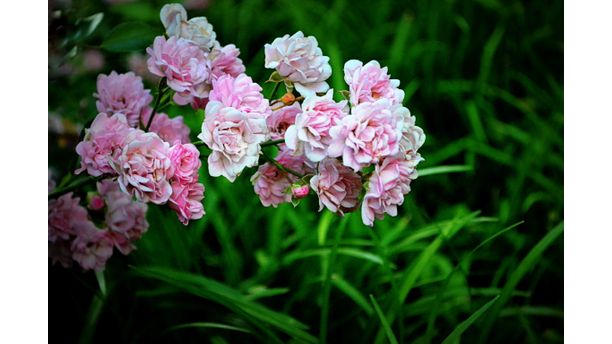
[279,166]
[87,180]
[161,89]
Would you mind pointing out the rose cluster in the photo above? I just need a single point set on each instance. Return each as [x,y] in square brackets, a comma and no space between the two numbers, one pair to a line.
[75,236]
[360,152]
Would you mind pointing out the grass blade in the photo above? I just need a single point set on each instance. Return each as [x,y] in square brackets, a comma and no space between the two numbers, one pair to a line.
[383,321]
[456,334]
[526,264]
[352,292]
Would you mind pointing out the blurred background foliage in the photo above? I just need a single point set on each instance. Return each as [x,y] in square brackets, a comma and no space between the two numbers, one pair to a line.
[475,253]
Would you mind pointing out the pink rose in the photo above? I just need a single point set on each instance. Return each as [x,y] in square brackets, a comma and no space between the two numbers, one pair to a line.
[171,130]
[281,119]
[272,185]
[102,144]
[65,215]
[300,60]
[225,60]
[386,188]
[125,217]
[310,133]
[372,132]
[92,247]
[241,93]
[123,93]
[144,168]
[186,162]
[183,64]
[370,82]
[413,137]
[234,137]
[337,186]
[197,30]
[186,200]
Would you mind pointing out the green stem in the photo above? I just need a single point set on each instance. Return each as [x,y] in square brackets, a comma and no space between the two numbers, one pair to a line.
[161,89]
[279,166]
[327,281]
[272,143]
[60,191]
[276,85]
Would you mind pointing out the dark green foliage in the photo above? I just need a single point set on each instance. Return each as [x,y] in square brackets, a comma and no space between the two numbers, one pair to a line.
[476,252]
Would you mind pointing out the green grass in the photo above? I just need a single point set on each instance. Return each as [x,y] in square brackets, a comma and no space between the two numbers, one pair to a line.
[475,253]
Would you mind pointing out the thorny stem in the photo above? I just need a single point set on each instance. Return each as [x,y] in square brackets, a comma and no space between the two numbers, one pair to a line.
[74,186]
[279,166]
[161,89]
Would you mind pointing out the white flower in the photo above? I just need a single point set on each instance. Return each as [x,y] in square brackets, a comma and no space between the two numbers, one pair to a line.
[300,60]
[197,30]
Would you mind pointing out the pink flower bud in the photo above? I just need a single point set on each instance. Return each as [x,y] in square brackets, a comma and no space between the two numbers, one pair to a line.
[94,201]
[299,191]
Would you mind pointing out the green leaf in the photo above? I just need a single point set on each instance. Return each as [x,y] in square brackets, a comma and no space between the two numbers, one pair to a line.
[456,334]
[532,258]
[383,321]
[127,37]
[444,169]
[256,314]
[209,325]
[352,292]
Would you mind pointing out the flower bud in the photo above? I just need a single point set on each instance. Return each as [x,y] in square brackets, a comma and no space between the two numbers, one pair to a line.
[288,98]
[94,201]
[299,191]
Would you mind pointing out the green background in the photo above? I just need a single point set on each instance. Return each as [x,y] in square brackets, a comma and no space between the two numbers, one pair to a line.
[475,252]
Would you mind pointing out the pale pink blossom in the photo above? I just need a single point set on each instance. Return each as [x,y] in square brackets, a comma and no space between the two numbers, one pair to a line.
[184,66]
[225,60]
[123,93]
[65,215]
[102,144]
[337,186]
[171,130]
[241,93]
[300,60]
[371,133]
[197,30]
[186,200]
[125,217]
[92,247]
[144,168]
[186,162]
[281,119]
[413,136]
[370,82]
[386,188]
[272,185]
[311,132]
[234,137]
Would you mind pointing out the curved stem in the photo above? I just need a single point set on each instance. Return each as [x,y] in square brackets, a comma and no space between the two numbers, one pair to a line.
[279,166]
[272,143]
[161,89]
[74,186]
